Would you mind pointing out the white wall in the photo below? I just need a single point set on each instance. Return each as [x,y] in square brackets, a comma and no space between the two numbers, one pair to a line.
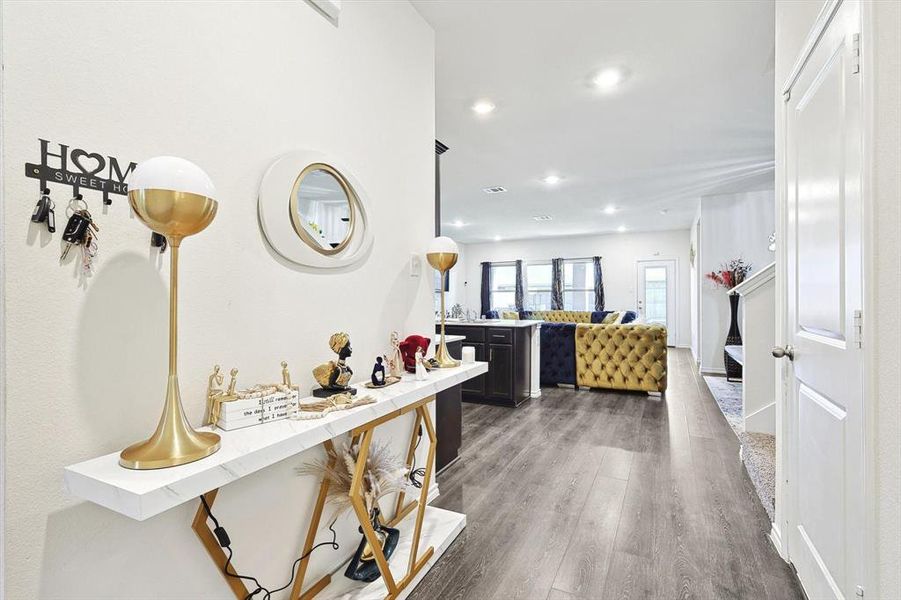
[732,226]
[695,288]
[620,251]
[230,86]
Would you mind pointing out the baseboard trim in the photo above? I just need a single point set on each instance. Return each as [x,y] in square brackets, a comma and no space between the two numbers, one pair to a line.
[762,420]
[712,371]
[775,538]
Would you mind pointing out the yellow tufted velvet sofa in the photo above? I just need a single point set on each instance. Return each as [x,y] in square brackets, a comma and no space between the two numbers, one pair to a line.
[621,357]
[553,316]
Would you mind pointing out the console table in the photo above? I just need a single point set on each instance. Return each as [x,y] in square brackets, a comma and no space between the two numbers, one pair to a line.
[425,531]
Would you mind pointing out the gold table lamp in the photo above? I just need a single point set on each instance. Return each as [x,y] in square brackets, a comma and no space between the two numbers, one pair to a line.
[442,255]
[173,197]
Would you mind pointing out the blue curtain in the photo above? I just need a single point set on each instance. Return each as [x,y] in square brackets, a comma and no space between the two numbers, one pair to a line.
[598,284]
[557,284]
[486,288]
[519,287]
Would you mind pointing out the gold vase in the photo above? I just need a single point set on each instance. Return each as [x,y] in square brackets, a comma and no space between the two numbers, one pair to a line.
[175,215]
[443,262]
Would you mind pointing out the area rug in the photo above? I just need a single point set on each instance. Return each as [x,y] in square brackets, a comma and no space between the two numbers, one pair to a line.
[728,395]
[758,449]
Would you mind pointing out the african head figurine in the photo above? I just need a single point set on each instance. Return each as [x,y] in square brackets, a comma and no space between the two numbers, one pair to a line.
[334,375]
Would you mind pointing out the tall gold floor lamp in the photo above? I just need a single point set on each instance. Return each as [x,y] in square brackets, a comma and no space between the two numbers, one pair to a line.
[173,197]
[442,255]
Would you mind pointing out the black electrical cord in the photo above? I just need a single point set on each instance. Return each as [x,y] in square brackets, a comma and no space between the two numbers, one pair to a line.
[415,473]
[225,542]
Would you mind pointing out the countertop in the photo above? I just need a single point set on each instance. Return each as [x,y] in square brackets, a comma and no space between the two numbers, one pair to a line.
[494,323]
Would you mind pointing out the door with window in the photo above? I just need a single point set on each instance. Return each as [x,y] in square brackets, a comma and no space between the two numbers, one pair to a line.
[825,508]
[656,295]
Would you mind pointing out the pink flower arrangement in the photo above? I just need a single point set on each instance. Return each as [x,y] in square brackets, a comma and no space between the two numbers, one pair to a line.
[730,274]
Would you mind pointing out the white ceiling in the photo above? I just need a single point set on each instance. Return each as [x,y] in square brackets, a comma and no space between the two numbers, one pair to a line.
[694,115]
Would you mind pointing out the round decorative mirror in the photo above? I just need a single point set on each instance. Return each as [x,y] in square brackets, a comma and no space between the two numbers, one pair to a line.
[314,212]
[323,208]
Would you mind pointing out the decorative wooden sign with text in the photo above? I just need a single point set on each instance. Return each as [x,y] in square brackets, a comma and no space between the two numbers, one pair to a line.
[80,170]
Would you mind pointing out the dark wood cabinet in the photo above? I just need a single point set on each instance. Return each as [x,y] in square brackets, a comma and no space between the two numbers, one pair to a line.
[476,385]
[508,352]
[500,374]
[449,418]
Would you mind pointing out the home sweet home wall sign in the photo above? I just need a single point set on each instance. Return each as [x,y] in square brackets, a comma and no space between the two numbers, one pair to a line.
[80,170]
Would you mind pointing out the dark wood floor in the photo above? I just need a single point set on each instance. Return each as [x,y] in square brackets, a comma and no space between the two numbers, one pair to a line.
[588,495]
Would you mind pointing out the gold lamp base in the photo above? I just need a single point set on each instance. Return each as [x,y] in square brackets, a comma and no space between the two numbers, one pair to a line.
[443,357]
[174,442]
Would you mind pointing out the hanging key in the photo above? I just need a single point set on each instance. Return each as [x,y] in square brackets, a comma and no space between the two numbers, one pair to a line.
[88,252]
[51,219]
[40,210]
[75,231]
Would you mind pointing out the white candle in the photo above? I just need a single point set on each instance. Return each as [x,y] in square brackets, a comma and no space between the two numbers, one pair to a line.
[469,354]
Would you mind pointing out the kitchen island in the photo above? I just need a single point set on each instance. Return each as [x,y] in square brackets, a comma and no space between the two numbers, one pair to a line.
[512,350]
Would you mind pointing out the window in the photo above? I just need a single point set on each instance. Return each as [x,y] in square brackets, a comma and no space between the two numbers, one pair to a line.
[578,284]
[538,282]
[655,295]
[503,286]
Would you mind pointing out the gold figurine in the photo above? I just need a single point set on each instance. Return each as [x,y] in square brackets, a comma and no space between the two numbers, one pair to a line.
[215,396]
[286,376]
[334,375]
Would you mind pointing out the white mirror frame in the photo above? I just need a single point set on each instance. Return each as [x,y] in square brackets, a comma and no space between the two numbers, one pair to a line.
[275,216]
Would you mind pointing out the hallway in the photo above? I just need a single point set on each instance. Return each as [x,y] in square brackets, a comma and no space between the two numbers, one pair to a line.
[588,495]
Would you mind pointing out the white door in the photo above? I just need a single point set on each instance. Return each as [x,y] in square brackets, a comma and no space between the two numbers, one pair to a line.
[656,300]
[824,493]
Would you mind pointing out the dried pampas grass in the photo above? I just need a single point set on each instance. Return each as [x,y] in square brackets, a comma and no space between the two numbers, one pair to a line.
[385,474]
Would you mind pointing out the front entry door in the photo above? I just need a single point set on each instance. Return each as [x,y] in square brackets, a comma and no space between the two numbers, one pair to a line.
[656,300]
[824,411]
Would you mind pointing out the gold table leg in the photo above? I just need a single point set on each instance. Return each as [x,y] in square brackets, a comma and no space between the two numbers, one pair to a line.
[311,537]
[362,435]
[211,544]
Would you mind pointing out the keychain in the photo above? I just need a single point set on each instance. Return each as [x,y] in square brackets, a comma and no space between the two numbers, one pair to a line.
[43,211]
[80,231]
[158,240]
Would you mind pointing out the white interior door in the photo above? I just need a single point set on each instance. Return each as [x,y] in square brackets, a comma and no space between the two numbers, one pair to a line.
[824,493]
[656,300]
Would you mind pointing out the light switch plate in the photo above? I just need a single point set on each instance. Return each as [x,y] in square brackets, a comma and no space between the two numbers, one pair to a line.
[415,265]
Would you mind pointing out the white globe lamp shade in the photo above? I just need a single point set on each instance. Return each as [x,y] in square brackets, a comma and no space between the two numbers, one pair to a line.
[442,253]
[171,173]
[443,245]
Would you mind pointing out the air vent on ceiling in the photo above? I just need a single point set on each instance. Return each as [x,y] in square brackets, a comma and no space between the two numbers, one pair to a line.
[543,218]
[495,190]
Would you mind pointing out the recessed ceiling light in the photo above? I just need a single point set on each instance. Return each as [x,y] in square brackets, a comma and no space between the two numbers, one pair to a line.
[608,79]
[663,211]
[621,228]
[483,107]
[543,218]
[551,179]
[494,190]
[497,238]
[457,223]
[610,210]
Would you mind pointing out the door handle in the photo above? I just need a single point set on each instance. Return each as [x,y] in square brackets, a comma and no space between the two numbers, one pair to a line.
[786,352]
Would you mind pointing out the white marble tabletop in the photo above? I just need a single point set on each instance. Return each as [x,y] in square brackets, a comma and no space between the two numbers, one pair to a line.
[494,323]
[143,494]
